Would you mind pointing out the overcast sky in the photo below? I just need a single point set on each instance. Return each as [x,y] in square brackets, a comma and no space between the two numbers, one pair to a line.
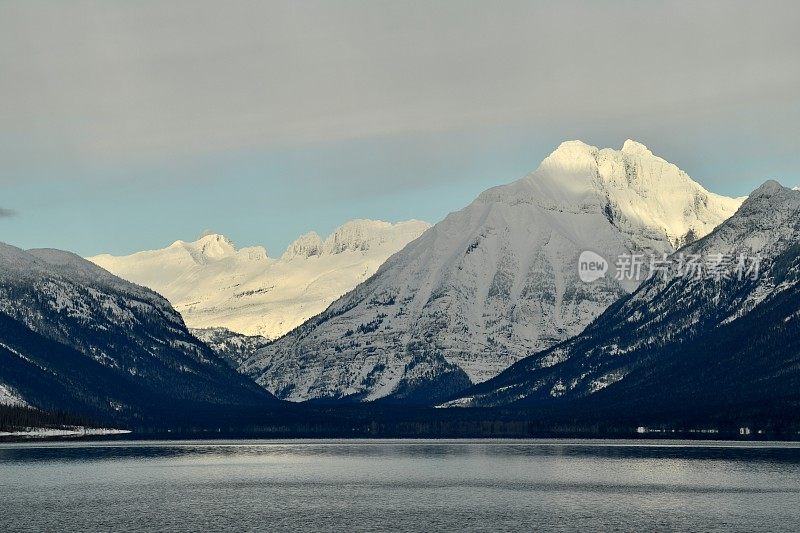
[128,125]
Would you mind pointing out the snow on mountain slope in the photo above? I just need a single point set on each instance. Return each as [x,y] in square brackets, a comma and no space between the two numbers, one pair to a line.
[686,334]
[233,347]
[214,284]
[75,337]
[9,396]
[494,282]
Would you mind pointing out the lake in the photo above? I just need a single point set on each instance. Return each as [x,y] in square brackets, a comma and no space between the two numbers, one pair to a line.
[399,485]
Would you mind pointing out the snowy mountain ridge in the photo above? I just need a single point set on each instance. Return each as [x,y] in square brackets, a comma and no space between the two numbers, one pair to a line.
[213,247]
[718,325]
[495,281]
[214,284]
[631,185]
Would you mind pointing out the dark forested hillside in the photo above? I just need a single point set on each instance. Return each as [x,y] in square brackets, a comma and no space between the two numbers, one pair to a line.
[17,417]
[75,338]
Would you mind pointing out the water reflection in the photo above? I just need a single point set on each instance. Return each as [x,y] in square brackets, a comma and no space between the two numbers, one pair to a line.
[665,450]
[379,485]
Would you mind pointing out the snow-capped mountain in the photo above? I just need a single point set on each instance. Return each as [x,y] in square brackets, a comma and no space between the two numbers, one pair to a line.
[75,337]
[494,282]
[213,284]
[728,334]
[234,347]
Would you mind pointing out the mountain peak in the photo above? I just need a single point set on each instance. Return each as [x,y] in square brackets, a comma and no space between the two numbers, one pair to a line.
[305,246]
[633,188]
[576,152]
[575,145]
[214,246]
[633,147]
[208,246]
[571,157]
[769,188]
[572,149]
[207,237]
[354,235]
[357,235]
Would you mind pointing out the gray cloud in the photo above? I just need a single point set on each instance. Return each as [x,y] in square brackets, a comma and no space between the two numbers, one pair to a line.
[7,213]
[113,81]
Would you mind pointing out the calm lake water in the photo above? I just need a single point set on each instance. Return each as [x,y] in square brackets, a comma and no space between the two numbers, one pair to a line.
[399,485]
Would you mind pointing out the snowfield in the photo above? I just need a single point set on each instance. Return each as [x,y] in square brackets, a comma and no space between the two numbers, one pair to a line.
[213,284]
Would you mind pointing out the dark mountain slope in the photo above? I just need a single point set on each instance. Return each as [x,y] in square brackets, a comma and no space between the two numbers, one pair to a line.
[74,336]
